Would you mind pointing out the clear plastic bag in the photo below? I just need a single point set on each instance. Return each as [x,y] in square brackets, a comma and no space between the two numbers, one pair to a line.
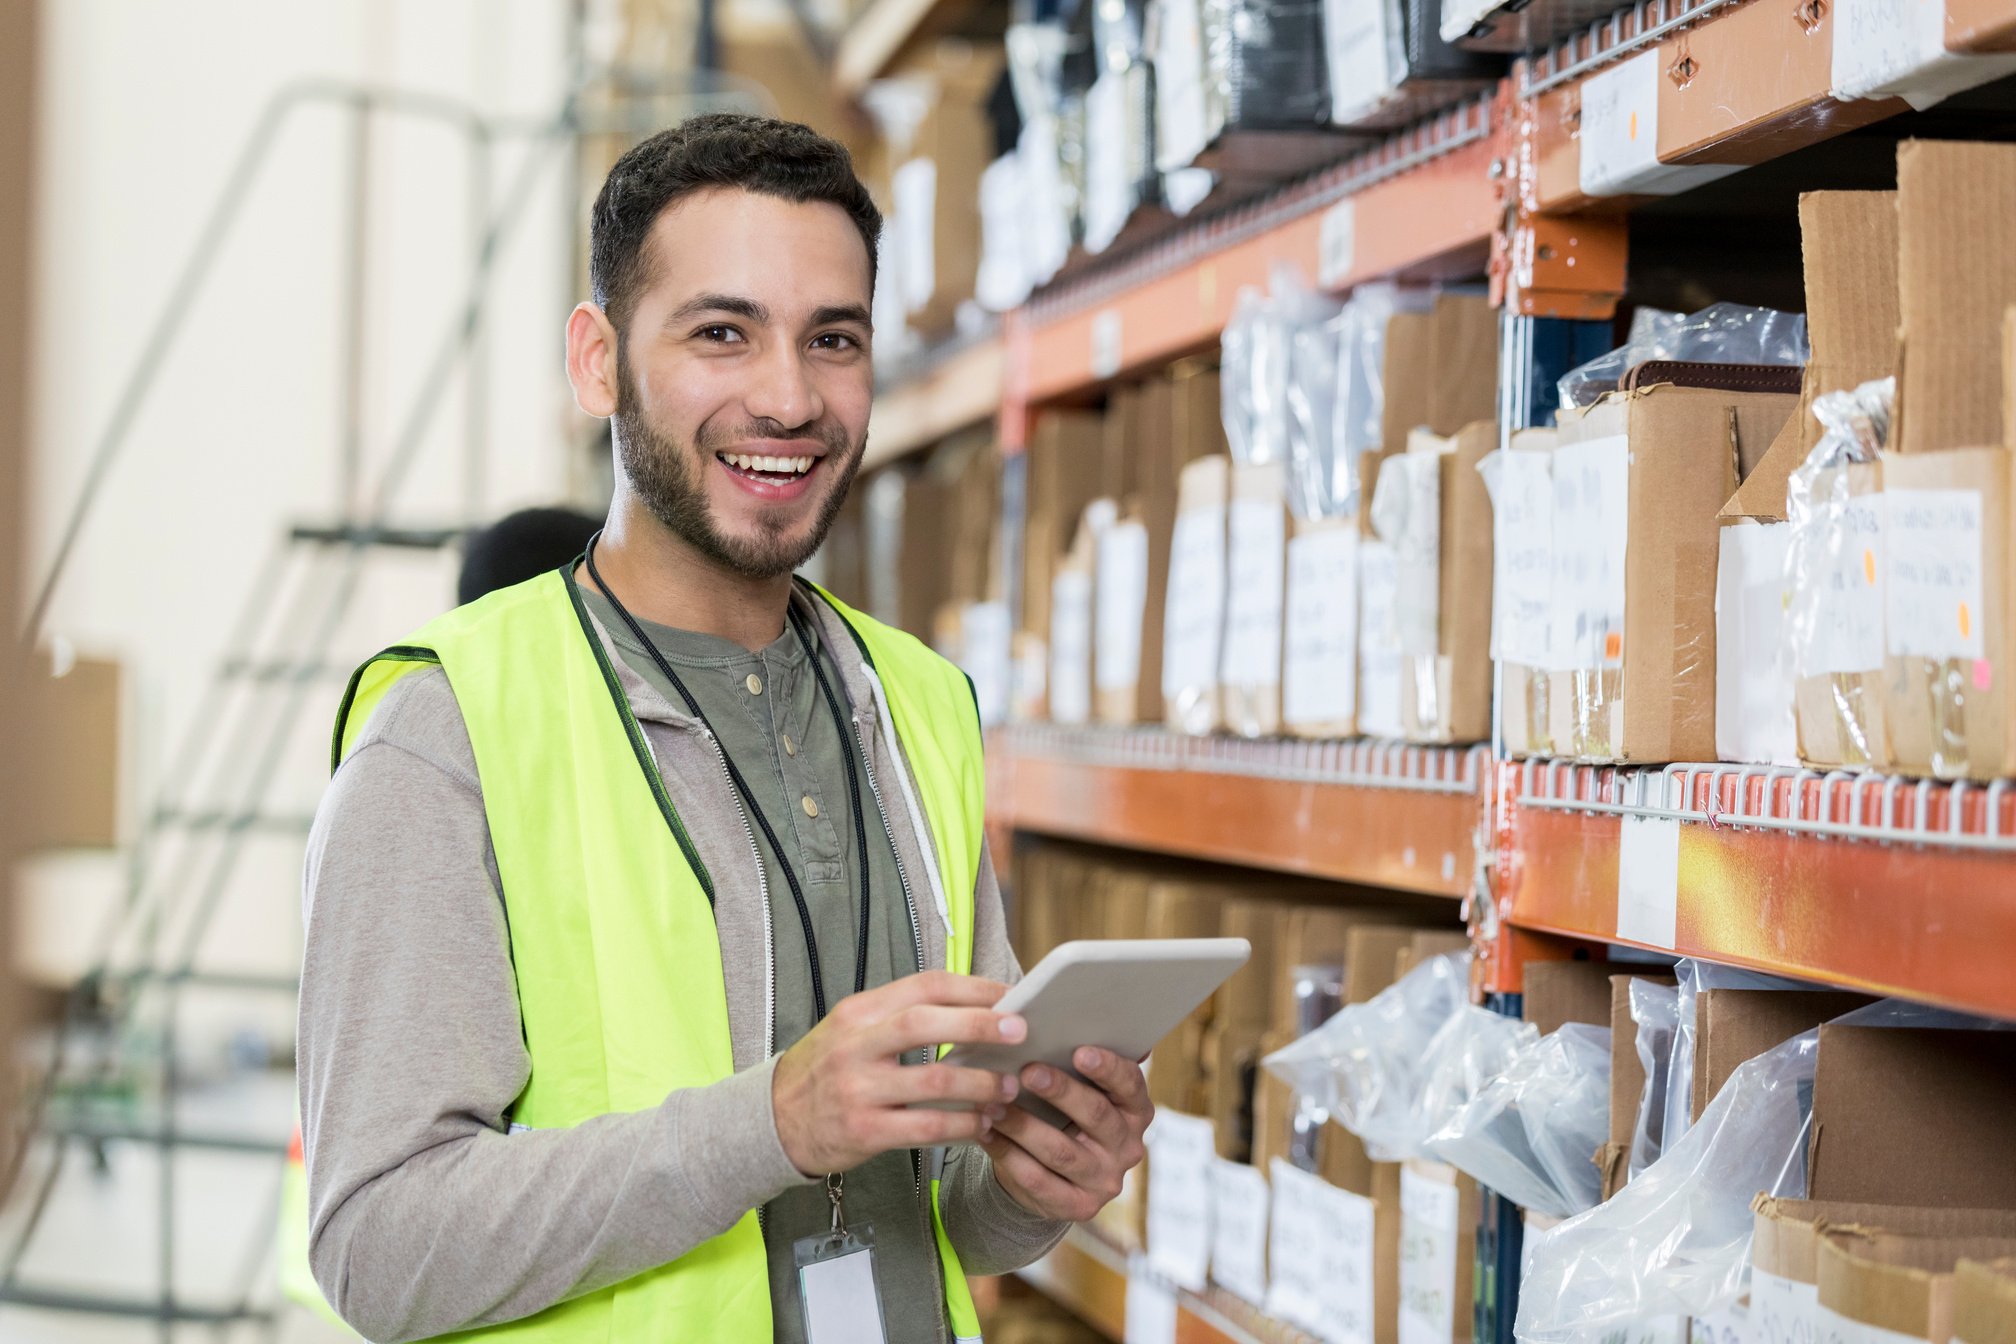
[1530,1132]
[1255,356]
[1727,333]
[1360,406]
[1367,1065]
[1676,1241]
[1655,1011]
[1695,976]
[1472,1048]
[1312,419]
[1834,520]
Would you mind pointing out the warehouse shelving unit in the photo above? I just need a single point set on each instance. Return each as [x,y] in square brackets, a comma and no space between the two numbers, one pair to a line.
[953,389]
[1091,1277]
[1868,882]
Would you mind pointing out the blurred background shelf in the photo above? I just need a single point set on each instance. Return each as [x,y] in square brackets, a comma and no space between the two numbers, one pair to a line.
[943,395]
[1380,814]
[1089,1276]
[1870,882]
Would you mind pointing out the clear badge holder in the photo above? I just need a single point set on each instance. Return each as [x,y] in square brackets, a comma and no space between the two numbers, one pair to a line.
[836,1281]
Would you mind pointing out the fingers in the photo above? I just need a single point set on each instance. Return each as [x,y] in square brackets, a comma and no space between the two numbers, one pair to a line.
[1036,1187]
[941,1082]
[1071,1157]
[931,1024]
[1086,1106]
[1121,1079]
[935,987]
[927,1129]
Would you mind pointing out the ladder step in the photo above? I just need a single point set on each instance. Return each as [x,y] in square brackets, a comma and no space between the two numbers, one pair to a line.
[171,818]
[360,534]
[141,1306]
[282,669]
[249,981]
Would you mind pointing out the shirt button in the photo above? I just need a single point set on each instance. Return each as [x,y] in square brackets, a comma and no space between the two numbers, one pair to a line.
[755,684]
[790,747]
[811,807]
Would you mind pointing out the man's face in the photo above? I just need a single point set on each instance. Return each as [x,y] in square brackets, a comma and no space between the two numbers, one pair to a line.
[744,381]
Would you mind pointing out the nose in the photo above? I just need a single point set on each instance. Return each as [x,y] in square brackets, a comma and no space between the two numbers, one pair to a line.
[783,390]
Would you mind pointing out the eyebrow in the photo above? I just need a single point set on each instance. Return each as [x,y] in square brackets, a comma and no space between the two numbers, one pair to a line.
[719,303]
[832,314]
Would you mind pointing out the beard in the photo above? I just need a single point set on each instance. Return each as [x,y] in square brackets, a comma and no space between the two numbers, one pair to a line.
[670,478]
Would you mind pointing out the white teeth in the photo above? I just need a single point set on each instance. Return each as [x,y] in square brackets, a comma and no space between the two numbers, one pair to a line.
[796,466]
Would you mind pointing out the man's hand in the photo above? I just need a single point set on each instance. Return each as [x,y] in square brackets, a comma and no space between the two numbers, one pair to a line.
[841,1093]
[1055,1174]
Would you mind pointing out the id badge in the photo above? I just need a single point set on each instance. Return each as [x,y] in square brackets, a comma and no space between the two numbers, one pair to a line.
[836,1283]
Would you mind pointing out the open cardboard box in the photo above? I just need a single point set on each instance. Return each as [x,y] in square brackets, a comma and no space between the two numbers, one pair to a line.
[1894,1284]
[1984,1301]
[1733,1026]
[1910,1116]
[1445,696]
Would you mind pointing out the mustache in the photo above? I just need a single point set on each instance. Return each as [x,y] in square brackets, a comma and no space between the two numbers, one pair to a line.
[719,438]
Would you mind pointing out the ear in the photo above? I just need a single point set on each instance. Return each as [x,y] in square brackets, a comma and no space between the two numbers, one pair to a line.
[591,360]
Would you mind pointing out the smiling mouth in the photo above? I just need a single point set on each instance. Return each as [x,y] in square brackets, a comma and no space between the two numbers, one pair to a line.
[762,467]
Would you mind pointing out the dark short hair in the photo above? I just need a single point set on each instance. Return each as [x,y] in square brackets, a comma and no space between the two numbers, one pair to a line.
[722,149]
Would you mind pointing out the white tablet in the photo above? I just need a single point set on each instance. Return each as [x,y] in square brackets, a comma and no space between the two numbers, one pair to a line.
[1122,995]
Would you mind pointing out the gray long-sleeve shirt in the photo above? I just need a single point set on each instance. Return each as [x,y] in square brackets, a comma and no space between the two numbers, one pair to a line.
[426,1215]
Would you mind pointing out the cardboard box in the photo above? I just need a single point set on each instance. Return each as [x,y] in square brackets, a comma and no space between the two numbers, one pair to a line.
[1062,477]
[1319,672]
[1956,277]
[1755,692]
[1560,992]
[1838,693]
[1446,695]
[1256,560]
[1914,1116]
[1440,1209]
[1194,615]
[1464,362]
[1949,704]
[1644,688]
[1426,945]
[1522,603]
[1735,1025]
[1984,1301]
[953,145]
[1897,1282]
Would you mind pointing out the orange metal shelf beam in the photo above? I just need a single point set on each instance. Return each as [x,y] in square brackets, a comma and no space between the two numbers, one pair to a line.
[1430,221]
[1925,922]
[1410,840]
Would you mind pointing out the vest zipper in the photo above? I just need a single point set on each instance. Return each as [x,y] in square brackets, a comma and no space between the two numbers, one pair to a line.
[909,904]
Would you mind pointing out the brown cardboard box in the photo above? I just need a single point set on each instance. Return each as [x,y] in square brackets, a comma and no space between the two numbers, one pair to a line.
[1849,241]
[1371,954]
[1735,1025]
[73,725]
[1448,698]
[1062,478]
[1525,703]
[1787,1236]
[1464,343]
[1560,992]
[1840,715]
[1956,277]
[1256,563]
[1896,1281]
[1194,613]
[1914,1116]
[1426,946]
[957,136]
[1956,717]
[1656,700]
[1984,1301]
[1408,390]
[1343,1163]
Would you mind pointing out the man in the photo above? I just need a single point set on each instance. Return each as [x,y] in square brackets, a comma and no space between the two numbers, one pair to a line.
[644,890]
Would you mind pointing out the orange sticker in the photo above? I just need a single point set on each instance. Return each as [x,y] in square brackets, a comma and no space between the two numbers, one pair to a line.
[1869,567]
[1634,126]
[1613,645]
[1966,625]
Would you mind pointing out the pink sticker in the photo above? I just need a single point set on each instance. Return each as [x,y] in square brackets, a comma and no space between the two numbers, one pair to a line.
[1984,674]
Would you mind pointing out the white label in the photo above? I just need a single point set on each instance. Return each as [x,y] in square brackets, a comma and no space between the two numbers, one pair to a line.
[1320,1249]
[1361,52]
[1897,47]
[1428,1232]
[1106,343]
[840,1302]
[1781,1310]
[1378,640]
[914,189]
[1842,590]
[987,638]
[1194,615]
[1592,501]
[1753,683]
[1932,573]
[1256,541]
[1319,681]
[1071,647]
[1239,1229]
[1336,245]
[1417,546]
[1180,130]
[1180,1152]
[1648,880]
[1522,556]
[1150,1306]
[1109,189]
[1723,1327]
[1620,125]
[1123,591]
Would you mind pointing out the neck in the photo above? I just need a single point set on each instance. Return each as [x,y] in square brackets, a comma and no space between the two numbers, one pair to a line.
[659,578]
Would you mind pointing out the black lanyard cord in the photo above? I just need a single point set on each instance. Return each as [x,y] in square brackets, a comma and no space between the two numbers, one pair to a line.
[749,799]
